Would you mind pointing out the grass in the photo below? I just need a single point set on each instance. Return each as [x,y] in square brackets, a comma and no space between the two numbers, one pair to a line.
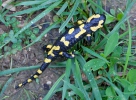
[108,67]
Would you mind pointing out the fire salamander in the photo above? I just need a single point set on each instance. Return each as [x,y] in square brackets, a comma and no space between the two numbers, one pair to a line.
[66,41]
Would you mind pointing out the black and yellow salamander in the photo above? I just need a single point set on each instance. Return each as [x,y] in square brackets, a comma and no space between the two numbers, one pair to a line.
[66,41]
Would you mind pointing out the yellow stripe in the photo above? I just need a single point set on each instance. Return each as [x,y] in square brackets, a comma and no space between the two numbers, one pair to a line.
[53,48]
[66,43]
[80,33]
[82,30]
[39,71]
[56,47]
[81,26]
[97,27]
[71,31]
[51,53]
[93,16]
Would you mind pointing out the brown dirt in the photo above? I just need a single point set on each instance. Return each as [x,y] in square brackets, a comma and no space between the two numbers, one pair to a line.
[34,55]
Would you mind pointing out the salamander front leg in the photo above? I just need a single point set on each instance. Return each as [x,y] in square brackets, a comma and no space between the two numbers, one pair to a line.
[79,22]
[67,55]
[46,48]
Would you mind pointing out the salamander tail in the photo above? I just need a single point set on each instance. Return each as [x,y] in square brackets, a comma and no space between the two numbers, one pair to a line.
[33,77]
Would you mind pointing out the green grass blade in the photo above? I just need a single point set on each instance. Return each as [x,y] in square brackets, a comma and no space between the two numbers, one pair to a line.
[99,3]
[94,64]
[78,79]
[5,86]
[70,14]
[93,84]
[10,71]
[115,29]
[0,2]
[129,48]
[125,33]
[56,84]
[27,11]
[2,19]
[81,60]
[98,6]
[111,44]
[27,94]
[94,54]
[45,12]
[27,3]
[76,90]
[67,75]
[62,8]
[43,33]
[117,26]
[120,94]
[90,77]
[48,2]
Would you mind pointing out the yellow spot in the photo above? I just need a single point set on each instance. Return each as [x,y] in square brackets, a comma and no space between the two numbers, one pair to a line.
[66,43]
[93,16]
[97,27]
[82,31]
[35,76]
[47,60]
[53,48]
[71,31]
[39,71]
[49,46]
[88,35]
[61,53]
[56,48]
[80,22]
[29,80]
[20,85]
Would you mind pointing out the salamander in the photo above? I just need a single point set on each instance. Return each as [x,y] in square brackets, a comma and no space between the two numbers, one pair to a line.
[66,41]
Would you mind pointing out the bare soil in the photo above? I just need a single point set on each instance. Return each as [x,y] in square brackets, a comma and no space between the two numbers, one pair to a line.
[35,55]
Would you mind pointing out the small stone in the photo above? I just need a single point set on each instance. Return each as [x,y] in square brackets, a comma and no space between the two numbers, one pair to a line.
[49,82]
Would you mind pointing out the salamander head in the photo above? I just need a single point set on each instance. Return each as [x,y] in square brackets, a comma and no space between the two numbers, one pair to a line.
[96,21]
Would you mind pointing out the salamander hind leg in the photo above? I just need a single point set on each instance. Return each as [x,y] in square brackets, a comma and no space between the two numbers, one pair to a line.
[79,22]
[67,55]
[88,38]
